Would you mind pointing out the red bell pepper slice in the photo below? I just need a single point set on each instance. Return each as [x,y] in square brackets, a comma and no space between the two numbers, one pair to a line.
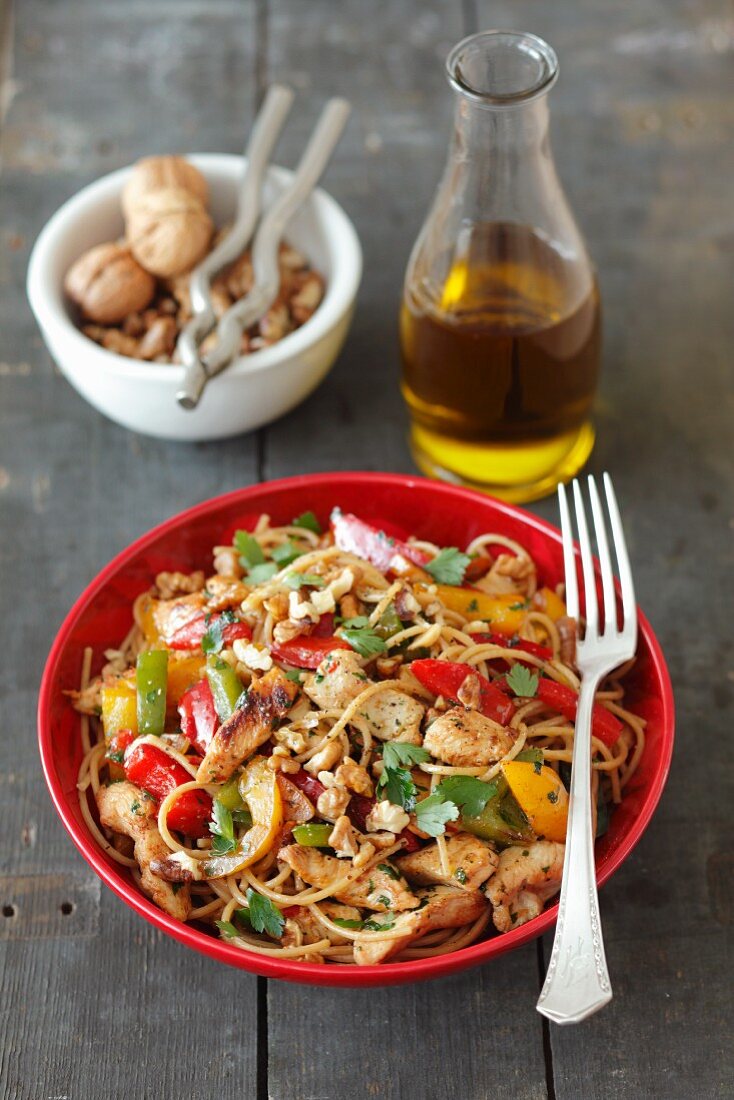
[157,773]
[191,634]
[306,783]
[357,537]
[604,725]
[199,718]
[307,650]
[541,651]
[446,677]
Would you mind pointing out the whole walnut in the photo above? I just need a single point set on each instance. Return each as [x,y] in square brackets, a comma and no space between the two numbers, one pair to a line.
[155,173]
[169,231]
[107,284]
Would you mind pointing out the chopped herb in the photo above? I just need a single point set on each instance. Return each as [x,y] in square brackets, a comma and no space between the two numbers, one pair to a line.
[286,553]
[363,638]
[249,549]
[243,916]
[449,566]
[525,852]
[294,675]
[396,783]
[176,886]
[308,521]
[242,817]
[263,915]
[546,869]
[433,812]
[344,922]
[118,756]
[226,928]
[468,792]
[472,606]
[135,806]
[371,885]
[519,606]
[389,870]
[401,752]
[221,827]
[383,899]
[522,681]
[552,797]
[213,640]
[375,926]
[297,580]
[260,573]
[460,875]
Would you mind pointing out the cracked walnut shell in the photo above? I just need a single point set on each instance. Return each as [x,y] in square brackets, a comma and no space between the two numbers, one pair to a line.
[169,231]
[108,284]
[156,173]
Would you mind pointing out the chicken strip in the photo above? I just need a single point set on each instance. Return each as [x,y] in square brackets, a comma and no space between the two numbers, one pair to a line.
[375,889]
[300,919]
[392,715]
[471,860]
[171,615]
[267,699]
[466,739]
[524,880]
[125,809]
[444,907]
[338,679]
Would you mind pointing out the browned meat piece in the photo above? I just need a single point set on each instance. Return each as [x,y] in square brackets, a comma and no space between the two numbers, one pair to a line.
[338,679]
[446,907]
[471,863]
[249,727]
[374,889]
[525,879]
[125,809]
[465,738]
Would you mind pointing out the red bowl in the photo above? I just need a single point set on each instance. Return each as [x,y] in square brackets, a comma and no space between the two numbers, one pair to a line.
[445,514]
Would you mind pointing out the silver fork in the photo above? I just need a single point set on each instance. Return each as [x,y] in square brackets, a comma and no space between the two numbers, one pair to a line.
[577,983]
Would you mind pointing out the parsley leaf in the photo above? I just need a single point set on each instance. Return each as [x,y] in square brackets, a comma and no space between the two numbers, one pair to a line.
[389,870]
[294,675]
[449,566]
[262,572]
[226,928]
[221,827]
[297,580]
[286,553]
[468,792]
[364,639]
[375,926]
[401,752]
[213,640]
[309,521]
[397,786]
[263,915]
[522,681]
[433,812]
[248,548]
[344,922]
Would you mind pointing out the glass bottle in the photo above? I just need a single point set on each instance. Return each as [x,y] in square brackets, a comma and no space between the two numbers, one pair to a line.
[500,319]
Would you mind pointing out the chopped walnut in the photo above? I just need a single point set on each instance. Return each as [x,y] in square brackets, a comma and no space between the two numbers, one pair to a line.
[349,608]
[355,777]
[178,584]
[325,758]
[388,666]
[344,838]
[227,562]
[225,592]
[333,802]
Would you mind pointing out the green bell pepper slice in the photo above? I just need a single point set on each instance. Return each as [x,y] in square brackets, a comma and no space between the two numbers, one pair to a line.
[225,684]
[501,821]
[314,836]
[151,679]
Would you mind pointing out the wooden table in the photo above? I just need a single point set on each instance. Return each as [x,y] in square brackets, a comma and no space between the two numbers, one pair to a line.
[94,1002]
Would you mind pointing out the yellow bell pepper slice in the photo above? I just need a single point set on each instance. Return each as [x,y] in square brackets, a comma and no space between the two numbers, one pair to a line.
[552,605]
[505,614]
[119,707]
[259,789]
[541,796]
[182,673]
[147,623]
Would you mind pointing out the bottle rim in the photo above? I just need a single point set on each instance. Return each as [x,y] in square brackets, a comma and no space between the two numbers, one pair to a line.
[516,67]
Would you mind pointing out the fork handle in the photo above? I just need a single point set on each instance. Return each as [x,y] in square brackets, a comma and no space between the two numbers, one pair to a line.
[577,983]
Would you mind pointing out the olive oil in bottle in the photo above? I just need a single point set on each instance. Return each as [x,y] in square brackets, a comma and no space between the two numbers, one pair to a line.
[500,317]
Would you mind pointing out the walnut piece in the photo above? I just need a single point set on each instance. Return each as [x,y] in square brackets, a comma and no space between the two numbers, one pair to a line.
[169,231]
[155,173]
[107,284]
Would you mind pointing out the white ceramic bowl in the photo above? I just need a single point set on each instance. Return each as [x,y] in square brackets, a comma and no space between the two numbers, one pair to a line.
[256,388]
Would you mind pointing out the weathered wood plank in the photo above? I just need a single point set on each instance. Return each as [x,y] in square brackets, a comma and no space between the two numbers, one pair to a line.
[94,1001]
[428,1039]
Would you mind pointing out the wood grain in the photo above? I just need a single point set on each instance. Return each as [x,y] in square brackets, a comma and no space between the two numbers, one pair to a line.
[96,1003]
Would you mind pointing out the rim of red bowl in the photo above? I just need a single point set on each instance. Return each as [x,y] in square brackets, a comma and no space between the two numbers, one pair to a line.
[291,969]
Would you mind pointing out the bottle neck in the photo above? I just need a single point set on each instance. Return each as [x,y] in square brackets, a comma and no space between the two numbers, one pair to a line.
[491,132]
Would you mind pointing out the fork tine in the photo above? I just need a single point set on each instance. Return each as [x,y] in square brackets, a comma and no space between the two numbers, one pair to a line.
[592,609]
[629,604]
[569,560]
[605,560]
